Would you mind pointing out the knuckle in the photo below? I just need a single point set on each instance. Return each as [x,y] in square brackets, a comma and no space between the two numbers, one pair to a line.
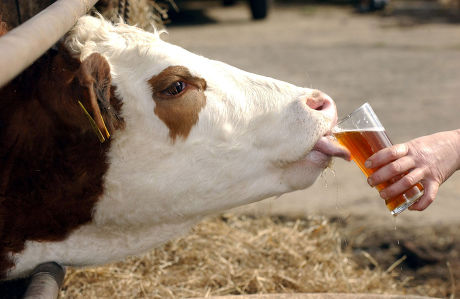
[409,180]
[399,150]
[395,166]
[394,152]
[423,171]
[403,149]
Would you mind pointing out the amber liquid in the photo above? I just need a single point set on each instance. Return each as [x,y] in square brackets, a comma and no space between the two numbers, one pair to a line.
[362,145]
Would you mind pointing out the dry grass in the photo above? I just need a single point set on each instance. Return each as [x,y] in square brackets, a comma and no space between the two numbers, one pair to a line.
[141,13]
[237,255]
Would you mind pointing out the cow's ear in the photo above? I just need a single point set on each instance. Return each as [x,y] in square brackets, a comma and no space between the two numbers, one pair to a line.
[93,81]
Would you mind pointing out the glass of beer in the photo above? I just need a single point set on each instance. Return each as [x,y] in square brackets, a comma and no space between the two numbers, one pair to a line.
[363,135]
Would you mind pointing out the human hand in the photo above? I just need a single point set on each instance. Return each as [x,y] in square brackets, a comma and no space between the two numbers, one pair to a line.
[430,160]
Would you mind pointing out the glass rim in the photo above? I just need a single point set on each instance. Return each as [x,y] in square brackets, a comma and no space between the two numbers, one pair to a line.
[344,118]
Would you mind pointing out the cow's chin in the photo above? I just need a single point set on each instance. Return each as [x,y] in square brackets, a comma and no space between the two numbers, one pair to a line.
[304,172]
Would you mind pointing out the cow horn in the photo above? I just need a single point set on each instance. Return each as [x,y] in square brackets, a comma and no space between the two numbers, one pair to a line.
[24,44]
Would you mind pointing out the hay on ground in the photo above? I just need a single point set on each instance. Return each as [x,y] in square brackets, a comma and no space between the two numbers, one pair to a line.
[237,255]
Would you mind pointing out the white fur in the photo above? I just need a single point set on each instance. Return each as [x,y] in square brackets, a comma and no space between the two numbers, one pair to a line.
[251,142]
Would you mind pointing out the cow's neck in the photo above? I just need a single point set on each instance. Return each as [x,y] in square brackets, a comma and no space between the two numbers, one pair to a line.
[50,171]
[94,245]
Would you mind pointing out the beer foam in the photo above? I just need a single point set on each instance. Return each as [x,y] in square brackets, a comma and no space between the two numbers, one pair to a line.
[337,130]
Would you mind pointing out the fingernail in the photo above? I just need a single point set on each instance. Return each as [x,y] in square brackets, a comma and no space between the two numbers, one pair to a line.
[383,194]
[368,164]
[370,182]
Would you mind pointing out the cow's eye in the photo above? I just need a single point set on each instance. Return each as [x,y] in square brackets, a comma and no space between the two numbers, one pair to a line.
[175,88]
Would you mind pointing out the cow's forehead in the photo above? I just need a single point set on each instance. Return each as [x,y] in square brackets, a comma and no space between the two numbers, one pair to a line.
[128,47]
[164,55]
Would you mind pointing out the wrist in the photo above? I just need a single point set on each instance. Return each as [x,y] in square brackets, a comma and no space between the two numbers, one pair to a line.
[457,147]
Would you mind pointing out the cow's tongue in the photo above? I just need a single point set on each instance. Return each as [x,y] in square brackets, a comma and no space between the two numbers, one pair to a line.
[329,146]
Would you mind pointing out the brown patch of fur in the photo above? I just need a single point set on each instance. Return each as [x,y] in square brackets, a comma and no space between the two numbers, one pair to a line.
[179,113]
[51,162]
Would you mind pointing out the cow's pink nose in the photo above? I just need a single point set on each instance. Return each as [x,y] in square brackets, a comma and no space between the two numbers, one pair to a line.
[322,102]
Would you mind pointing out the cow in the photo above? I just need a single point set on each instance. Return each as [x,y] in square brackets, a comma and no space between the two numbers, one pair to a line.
[115,141]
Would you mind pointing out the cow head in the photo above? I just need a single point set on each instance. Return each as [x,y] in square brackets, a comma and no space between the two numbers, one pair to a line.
[200,135]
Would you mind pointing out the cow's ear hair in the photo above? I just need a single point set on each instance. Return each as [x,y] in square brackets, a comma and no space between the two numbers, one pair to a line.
[94,82]
[3,27]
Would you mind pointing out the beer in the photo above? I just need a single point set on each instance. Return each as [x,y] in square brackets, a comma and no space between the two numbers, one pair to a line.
[363,143]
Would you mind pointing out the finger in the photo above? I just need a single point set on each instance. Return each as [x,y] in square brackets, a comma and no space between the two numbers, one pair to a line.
[431,190]
[403,184]
[387,155]
[391,170]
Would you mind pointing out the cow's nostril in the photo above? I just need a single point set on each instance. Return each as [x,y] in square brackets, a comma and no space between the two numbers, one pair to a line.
[316,103]
[321,102]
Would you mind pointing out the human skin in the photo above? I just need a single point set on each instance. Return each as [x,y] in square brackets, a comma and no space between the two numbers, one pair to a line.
[430,159]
